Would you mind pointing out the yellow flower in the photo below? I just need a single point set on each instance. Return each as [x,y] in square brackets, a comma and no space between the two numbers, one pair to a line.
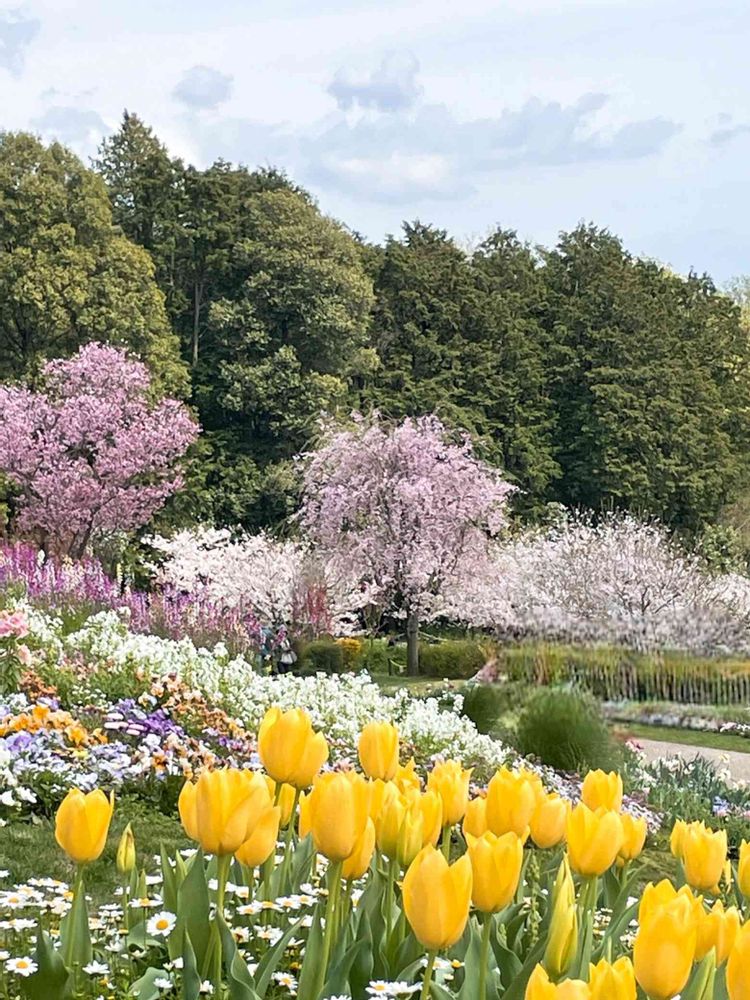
[289,749]
[431,805]
[496,868]
[717,929]
[261,843]
[704,854]
[475,820]
[359,860]
[511,800]
[221,809]
[743,870]
[594,839]
[634,837]
[451,783]
[664,949]
[614,981]
[602,791]
[548,821]
[539,987]
[738,966]
[406,777]
[286,799]
[655,897]
[389,821]
[437,897]
[82,824]
[126,857]
[562,941]
[378,750]
[338,811]
[676,838]
[407,823]
[378,792]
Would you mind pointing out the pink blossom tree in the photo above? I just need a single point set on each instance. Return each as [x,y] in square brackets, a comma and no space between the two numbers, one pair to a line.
[91,452]
[402,509]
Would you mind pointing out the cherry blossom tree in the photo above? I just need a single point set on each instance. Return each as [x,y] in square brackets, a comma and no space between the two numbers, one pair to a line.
[90,452]
[401,509]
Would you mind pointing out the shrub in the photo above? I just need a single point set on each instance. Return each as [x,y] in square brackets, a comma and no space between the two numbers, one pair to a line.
[351,651]
[485,704]
[454,659]
[322,656]
[564,729]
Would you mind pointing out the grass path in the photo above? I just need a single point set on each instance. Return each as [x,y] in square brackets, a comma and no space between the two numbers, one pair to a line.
[685,737]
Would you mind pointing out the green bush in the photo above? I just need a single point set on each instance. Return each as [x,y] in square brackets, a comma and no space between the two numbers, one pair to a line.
[564,729]
[322,656]
[485,704]
[456,659]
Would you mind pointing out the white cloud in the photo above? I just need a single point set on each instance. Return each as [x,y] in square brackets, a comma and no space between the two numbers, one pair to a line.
[203,88]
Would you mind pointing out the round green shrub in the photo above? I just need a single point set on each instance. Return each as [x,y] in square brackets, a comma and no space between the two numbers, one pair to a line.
[456,659]
[484,704]
[321,656]
[564,729]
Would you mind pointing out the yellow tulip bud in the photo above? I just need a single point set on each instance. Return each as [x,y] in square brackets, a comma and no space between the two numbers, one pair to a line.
[539,987]
[743,870]
[594,839]
[496,868]
[261,844]
[704,854]
[389,821]
[602,791]
[614,981]
[221,809]
[339,811]
[475,820]
[664,949]
[511,800]
[562,941]
[634,837]
[406,777]
[359,860]
[437,897]
[549,820]
[82,824]
[451,783]
[289,749]
[126,851]
[717,929]
[285,801]
[431,806]
[378,750]
[738,966]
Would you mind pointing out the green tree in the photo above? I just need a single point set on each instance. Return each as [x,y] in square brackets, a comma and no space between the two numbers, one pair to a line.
[67,275]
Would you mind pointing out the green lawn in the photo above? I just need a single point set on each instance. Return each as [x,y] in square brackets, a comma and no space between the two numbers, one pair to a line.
[686,737]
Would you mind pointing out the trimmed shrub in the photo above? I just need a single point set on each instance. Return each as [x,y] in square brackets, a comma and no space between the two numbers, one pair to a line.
[456,659]
[351,651]
[322,656]
[564,729]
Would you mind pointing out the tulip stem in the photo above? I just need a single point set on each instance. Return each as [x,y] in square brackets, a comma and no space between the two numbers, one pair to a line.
[223,864]
[485,954]
[446,844]
[431,956]
[389,894]
[70,941]
[285,864]
[334,890]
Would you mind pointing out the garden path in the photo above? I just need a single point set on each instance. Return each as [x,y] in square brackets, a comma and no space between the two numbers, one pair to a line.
[738,763]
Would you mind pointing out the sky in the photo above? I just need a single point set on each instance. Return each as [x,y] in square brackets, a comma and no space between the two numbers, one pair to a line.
[468,114]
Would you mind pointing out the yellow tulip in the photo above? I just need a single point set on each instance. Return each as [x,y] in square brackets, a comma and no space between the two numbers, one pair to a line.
[743,870]
[655,897]
[475,820]
[634,837]
[407,823]
[261,844]
[704,855]
[389,821]
[406,777]
[511,800]
[378,750]
[614,981]
[221,809]
[738,966]
[664,949]
[437,897]
[338,811]
[82,824]
[451,783]
[602,791]
[290,750]
[717,929]
[562,941]
[286,799]
[594,839]
[359,860]
[496,868]
[676,837]
[431,806]
[378,791]
[548,821]
[539,987]
[304,823]
[126,857]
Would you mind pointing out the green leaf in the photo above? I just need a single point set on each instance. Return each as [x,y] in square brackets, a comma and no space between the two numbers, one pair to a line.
[191,981]
[269,963]
[169,882]
[338,977]
[237,974]
[308,988]
[193,909]
[51,980]
[75,937]
[145,988]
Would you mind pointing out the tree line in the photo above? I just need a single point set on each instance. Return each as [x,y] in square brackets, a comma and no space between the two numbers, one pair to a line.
[592,377]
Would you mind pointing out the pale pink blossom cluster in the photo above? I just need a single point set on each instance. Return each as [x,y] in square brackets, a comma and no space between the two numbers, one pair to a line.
[13,624]
[91,452]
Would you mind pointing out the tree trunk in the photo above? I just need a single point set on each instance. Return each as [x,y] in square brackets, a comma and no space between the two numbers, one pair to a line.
[412,645]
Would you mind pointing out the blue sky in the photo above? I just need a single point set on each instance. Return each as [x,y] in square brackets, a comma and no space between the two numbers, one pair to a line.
[532,114]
